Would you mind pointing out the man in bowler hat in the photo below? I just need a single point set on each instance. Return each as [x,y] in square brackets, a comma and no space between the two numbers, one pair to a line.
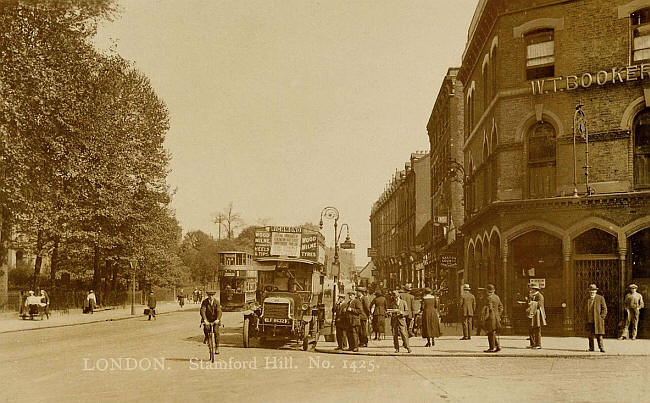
[596,313]
[467,309]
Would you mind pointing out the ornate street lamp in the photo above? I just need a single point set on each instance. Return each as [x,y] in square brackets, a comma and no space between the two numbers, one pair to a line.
[332,213]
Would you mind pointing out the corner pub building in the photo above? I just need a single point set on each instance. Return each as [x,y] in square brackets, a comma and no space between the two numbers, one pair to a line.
[527,66]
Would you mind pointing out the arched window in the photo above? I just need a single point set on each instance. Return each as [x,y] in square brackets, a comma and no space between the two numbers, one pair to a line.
[541,161]
[642,149]
[493,75]
[487,172]
[486,85]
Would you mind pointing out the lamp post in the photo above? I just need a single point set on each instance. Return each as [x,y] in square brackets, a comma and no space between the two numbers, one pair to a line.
[580,129]
[332,213]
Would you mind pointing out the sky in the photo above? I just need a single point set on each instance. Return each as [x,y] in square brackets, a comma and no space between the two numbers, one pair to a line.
[284,107]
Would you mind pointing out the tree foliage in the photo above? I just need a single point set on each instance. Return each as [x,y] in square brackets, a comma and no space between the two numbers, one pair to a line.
[82,164]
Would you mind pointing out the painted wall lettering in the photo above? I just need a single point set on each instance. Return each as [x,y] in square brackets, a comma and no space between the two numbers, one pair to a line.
[571,82]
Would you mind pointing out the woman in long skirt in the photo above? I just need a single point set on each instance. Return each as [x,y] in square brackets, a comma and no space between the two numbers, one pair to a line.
[430,318]
[378,308]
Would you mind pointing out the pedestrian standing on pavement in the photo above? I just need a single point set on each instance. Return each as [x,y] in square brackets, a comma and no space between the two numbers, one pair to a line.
[467,309]
[340,321]
[365,314]
[480,304]
[45,299]
[537,315]
[353,311]
[211,317]
[91,301]
[407,297]
[596,313]
[633,305]
[151,303]
[399,313]
[491,315]
[430,317]
[378,309]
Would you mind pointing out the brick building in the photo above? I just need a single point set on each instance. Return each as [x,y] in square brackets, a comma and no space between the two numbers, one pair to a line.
[530,214]
[393,228]
[445,131]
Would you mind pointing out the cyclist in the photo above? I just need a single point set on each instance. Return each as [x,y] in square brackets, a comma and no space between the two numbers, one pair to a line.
[211,318]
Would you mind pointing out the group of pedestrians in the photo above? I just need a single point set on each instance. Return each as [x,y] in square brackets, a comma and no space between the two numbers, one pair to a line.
[359,315]
[362,315]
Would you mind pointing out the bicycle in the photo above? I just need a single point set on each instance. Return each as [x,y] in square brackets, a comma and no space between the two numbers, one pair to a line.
[212,341]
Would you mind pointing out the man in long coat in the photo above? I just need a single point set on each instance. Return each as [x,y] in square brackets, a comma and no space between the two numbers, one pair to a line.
[365,314]
[151,303]
[596,313]
[537,315]
[353,311]
[340,321]
[491,316]
[467,309]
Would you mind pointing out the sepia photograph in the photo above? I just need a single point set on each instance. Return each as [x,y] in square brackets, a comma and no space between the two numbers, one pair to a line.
[324,200]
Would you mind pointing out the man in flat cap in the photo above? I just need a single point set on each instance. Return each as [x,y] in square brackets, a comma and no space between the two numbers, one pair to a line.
[211,318]
[399,313]
[467,309]
[596,313]
[633,304]
[537,315]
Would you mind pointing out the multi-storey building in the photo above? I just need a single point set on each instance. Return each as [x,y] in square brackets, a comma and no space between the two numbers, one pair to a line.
[538,207]
[445,131]
[393,228]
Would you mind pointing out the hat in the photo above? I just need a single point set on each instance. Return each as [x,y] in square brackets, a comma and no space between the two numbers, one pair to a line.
[428,290]
[151,292]
[210,292]
[534,286]
[408,286]
[341,295]
[91,291]
[489,287]
[395,292]
[592,287]
[633,286]
[31,292]
[466,287]
[361,289]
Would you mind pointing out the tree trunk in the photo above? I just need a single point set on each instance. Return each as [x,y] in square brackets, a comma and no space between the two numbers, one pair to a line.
[39,259]
[96,269]
[54,263]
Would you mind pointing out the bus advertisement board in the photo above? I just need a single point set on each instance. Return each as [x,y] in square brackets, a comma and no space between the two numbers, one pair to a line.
[294,242]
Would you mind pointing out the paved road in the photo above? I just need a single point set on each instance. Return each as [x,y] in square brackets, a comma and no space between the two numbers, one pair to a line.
[82,363]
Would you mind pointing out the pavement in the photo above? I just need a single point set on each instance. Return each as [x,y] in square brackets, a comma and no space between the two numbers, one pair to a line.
[11,322]
[511,346]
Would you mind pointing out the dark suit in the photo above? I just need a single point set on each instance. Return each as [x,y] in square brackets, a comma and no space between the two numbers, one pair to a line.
[467,308]
[365,314]
[340,320]
[151,303]
[210,312]
[492,314]
[353,311]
